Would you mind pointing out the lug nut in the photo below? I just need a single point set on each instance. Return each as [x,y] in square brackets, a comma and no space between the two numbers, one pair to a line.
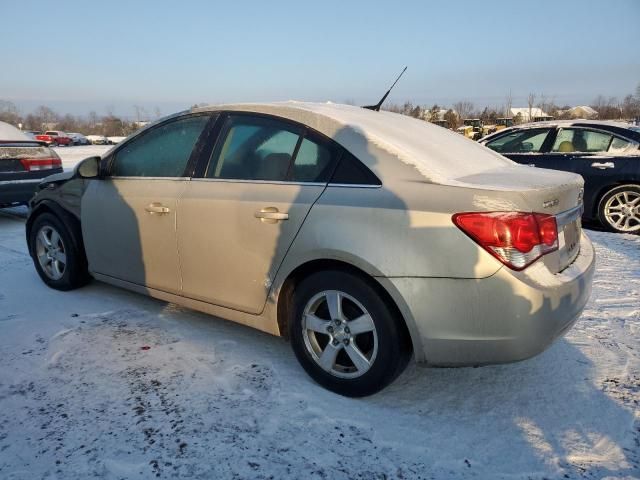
[346,341]
[346,330]
[330,329]
[335,342]
[337,321]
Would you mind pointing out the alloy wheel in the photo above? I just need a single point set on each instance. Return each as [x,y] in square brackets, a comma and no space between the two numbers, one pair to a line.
[339,334]
[51,252]
[622,211]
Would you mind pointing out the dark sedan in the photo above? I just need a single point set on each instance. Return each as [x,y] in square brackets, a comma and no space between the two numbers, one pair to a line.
[24,162]
[606,154]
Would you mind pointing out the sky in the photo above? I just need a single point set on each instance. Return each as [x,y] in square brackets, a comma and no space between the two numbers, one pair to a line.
[77,56]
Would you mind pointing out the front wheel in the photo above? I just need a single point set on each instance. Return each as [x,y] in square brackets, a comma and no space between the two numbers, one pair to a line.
[345,335]
[619,209]
[56,256]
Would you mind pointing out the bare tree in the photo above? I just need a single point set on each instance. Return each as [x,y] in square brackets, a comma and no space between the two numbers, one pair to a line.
[464,109]
[508,104]
[452,119]
[9,113]
[531,100]
[43,118]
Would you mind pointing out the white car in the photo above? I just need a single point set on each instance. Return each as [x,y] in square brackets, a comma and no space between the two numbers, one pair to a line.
[115,140]
[98,139]
[79,139]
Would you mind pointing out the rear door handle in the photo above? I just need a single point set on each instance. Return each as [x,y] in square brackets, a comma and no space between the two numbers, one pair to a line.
[158,208]
[271,215]
[604,165]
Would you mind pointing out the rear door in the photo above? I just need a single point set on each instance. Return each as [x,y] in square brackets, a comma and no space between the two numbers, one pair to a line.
[238,219]
[601,157]
[129,216]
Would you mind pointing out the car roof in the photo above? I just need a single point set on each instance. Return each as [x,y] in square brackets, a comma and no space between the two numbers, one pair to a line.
[438,154]
[10,133]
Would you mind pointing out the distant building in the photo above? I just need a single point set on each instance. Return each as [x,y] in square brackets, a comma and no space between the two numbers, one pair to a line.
[537,115]
[583,111]
[141,123]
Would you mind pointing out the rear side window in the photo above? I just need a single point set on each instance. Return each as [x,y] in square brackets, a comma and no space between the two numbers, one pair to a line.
[618,145]
[351,171]
[254,149]
[312,162]
[162,152]
[581,140]
[520,141]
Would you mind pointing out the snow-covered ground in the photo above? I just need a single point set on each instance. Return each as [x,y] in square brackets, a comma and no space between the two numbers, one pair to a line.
[103,383]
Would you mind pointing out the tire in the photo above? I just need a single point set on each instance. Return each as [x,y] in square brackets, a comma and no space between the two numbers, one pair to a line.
[48,239]
[326,346]
[619,209]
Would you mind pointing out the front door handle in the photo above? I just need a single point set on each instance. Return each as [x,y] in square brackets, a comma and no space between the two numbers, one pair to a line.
[158,208]
[603,166]
[271,215]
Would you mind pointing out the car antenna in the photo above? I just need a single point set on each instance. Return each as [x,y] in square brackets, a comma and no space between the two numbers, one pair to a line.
[377,106]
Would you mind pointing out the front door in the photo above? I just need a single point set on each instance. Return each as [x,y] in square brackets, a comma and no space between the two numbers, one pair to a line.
[523,146]
[129,217]
[237,222]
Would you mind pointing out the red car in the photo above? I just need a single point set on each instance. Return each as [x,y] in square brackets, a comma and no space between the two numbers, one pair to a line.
[55,138]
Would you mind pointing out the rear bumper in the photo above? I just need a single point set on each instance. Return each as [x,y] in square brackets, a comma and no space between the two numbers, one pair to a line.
[18,191]
[506,317]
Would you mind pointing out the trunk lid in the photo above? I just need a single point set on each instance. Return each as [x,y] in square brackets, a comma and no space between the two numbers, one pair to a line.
[542,191]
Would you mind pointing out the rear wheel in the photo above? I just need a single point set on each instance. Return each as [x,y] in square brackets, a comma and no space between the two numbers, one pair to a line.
[56,255]
[619,209]
[344,335]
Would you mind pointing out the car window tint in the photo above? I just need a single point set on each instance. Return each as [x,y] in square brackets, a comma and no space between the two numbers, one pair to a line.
[351,171]
[312,162]
[520,141]
[580,140]
[161,152]
[618,145]
[254,149]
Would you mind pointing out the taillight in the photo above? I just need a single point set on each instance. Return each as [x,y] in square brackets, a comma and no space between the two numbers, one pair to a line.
[517,239]
[35,164]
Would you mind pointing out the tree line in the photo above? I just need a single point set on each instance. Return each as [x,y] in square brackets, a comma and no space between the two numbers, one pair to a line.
[607,108]
[44,118]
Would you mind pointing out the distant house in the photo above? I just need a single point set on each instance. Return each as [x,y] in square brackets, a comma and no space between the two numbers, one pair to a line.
[141,123]
[537,115]
[583,111]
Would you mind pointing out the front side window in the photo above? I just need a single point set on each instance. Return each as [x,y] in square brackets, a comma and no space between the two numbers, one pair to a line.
[580,140]
[163,151]
[521,141]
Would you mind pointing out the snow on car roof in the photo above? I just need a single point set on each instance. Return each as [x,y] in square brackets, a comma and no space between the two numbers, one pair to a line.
[438,154]
[9,132]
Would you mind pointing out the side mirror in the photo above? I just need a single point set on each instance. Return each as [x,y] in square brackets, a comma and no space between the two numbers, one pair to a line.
[89,167]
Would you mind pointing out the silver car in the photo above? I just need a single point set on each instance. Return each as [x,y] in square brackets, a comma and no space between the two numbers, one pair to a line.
[364,237]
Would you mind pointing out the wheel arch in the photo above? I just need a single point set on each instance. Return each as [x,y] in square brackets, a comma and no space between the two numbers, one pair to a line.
[70,221]
[391,298]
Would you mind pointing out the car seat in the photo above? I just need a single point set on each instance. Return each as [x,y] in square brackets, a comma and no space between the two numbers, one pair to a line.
[566,147]
[274,166]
